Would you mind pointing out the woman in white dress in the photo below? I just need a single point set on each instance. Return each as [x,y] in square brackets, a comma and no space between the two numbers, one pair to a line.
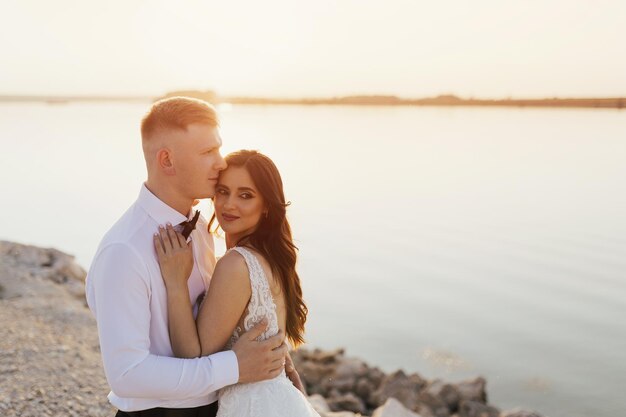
[256,279]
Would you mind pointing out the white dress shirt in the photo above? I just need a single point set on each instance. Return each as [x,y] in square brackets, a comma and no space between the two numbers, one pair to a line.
[125,292]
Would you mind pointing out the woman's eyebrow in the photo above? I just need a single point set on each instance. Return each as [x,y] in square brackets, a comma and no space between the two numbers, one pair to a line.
[246,189]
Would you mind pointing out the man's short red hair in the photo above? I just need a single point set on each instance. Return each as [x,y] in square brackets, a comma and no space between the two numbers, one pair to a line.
[177,113]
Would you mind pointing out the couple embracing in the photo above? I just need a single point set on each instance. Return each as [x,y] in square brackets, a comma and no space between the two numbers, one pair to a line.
[179,330]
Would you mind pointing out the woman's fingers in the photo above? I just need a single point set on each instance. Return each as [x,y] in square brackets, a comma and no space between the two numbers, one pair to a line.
[171,233]
[170,240]
[182,240]
[167,244]
[158,245]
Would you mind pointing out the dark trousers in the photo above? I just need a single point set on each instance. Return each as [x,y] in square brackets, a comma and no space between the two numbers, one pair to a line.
[204,411]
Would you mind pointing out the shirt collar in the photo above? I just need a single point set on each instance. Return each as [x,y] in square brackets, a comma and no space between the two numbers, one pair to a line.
[157,209]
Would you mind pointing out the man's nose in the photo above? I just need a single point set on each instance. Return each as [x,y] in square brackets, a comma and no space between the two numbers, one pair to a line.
[221,163]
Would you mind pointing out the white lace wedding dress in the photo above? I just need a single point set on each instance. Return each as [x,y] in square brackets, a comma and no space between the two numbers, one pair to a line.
[276,397]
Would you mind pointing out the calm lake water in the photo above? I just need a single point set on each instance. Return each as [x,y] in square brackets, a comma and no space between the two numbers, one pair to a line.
[452,242]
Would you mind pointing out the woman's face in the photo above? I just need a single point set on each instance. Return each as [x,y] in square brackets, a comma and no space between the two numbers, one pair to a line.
[238,204]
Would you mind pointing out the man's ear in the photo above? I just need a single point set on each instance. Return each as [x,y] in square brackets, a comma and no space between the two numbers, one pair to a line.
[164,161]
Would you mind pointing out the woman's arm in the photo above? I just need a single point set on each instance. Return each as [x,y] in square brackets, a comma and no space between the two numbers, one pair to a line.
[176,261]
[227,298]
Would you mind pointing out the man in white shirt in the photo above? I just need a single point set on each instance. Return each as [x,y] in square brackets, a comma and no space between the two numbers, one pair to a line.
[125,291]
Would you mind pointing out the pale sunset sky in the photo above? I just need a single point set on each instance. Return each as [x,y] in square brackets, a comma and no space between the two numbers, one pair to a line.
[480,48]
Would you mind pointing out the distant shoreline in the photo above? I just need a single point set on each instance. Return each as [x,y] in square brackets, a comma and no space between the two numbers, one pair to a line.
[68,99]
[364,100]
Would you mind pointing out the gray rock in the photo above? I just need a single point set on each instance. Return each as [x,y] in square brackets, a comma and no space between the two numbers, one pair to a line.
[375,376]
[346,402]
[473,389]
[393,408]
[364,388]
[400,386]
[345,375]
[430,405]
[351,368]
[448,393]
[477,409]
[346,384]
[317,370]
[315,376]
[23,263]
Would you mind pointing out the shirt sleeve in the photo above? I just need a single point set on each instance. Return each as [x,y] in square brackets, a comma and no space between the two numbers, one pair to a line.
[118,293]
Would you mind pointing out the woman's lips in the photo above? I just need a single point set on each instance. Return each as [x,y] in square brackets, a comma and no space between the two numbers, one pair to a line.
[229,217]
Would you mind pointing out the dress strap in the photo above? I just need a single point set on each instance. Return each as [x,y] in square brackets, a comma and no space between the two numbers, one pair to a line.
[256,272]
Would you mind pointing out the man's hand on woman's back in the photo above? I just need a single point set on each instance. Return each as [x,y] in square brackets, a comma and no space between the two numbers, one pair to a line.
[262,360]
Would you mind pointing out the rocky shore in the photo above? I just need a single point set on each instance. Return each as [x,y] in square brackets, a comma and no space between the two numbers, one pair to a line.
[50,361]
[341,386]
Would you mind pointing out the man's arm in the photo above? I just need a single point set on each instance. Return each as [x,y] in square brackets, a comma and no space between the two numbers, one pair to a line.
[118,292]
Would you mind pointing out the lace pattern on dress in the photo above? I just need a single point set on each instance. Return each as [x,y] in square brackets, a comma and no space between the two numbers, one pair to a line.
[261,302]
[275,397]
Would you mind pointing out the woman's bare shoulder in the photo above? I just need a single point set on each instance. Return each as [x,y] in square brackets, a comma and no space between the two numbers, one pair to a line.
[231,267]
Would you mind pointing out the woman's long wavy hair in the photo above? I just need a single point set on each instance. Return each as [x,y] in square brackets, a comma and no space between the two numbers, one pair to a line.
[272,236]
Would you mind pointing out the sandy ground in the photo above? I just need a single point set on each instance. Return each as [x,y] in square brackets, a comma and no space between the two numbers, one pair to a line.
[49,353]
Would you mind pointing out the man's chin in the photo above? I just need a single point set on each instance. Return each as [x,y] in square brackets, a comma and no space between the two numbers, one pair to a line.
[207,194]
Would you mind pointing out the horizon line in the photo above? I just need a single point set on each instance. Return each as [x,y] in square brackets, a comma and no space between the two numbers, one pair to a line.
[361,99]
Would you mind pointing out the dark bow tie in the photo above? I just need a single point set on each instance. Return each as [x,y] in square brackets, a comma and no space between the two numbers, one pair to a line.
[187,226]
